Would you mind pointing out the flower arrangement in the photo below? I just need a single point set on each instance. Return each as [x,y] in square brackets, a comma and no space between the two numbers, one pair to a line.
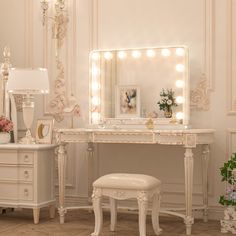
[6,125]
[167,100]
[228,173]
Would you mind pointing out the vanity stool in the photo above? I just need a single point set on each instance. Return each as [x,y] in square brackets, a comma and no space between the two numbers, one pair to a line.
[125,186]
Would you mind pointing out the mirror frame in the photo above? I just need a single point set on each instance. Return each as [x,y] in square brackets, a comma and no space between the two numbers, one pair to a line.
[95,114]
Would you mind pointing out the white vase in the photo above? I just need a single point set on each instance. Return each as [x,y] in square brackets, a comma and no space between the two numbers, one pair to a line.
[4,137]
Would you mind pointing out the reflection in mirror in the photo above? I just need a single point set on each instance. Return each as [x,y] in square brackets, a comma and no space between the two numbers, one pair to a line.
[129,86]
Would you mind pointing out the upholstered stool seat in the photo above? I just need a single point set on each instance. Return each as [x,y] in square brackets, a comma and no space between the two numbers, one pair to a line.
[124,186]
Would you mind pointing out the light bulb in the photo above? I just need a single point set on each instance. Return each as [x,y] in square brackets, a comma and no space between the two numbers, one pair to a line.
[95,101]
[96,116]
[95,56]
[165,52]
[179,83]
[180,52]
[122,54]
[150,53]
[95,86]
[108,55]
[180,67]
[179,99]
[179,115]
[95,71]
[136,54]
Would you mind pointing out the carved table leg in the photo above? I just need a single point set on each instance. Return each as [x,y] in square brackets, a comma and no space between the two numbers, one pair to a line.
[61,178]
[205,164]
[36,213]
[90,158]
[188,165]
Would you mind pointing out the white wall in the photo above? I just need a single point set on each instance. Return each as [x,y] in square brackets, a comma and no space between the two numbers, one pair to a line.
[136,23]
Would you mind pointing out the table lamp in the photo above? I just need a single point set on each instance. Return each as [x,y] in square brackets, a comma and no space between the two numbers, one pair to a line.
[28,82]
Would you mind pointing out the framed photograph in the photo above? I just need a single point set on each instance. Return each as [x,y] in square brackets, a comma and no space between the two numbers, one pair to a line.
[127,101]
[44,131]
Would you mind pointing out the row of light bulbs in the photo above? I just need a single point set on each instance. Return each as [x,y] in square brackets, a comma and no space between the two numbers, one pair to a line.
[165,52]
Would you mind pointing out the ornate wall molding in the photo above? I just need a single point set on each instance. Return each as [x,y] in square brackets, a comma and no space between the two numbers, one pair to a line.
[229,143]
[200,96]
[231,46]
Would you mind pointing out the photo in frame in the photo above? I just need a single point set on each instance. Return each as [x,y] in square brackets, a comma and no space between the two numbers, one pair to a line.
[127,101]
[44,129]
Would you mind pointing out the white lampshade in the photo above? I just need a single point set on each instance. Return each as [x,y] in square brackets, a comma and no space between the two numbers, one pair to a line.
[33,81]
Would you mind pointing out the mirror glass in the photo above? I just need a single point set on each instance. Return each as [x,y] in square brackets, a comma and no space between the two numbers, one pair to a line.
[133,85]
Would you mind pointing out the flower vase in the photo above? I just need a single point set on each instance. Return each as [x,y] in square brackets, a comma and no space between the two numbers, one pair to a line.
[168,113]
[5,137]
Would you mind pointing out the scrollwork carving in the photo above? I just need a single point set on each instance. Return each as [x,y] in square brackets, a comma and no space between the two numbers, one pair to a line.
[200,97]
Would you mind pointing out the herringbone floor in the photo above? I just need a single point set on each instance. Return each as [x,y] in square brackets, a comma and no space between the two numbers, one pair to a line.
[81,223]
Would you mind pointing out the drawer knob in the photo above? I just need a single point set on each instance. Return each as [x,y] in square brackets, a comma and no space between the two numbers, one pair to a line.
[26,158]
[26,174]
[26,192]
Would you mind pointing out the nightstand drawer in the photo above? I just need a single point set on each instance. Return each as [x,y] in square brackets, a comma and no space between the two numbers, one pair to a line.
[8,157]
[8,191]
[26,192]
[26,157]
[25,174]
[8,173]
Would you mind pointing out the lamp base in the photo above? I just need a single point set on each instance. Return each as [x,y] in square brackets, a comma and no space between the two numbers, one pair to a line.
[28,139]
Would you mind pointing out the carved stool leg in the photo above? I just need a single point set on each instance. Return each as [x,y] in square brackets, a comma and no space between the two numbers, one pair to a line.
[98,215]
[113,207]
[155,213]
[142,206]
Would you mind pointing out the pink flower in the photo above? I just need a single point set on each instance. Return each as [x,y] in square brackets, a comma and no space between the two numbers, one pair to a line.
[6,125]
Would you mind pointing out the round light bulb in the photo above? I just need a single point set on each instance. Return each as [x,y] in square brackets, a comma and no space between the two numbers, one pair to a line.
[95,86]
[122,54]
[96,116]
[136,54]
[180,52]
[95,101]
[165,52]
[95,56]
[180,67]
[95,71]
[150,53]
[179,115]
[108,55]
[180,100]
[179,83]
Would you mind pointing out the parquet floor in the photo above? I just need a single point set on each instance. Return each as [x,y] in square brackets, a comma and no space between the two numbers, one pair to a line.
[81,223]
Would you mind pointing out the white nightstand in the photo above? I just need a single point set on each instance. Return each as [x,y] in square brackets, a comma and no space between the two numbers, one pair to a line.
[27,177]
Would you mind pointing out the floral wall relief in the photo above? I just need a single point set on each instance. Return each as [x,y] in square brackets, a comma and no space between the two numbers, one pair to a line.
[200,96]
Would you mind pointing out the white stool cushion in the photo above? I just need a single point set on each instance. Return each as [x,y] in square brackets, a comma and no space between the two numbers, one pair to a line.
[127,181]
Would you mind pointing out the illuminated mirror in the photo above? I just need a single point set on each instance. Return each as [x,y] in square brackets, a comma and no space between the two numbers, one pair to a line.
[130,86]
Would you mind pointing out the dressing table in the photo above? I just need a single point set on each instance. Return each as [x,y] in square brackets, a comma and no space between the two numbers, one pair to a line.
[110,122]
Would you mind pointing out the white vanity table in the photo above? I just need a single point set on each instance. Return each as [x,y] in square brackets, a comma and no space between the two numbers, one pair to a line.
[125,87]
[188,139]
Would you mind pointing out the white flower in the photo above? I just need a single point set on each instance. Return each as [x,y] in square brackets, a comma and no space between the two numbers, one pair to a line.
[169,102]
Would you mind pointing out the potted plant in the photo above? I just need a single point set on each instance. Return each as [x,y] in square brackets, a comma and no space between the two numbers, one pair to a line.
[167,102]
[228,173]
[6,126]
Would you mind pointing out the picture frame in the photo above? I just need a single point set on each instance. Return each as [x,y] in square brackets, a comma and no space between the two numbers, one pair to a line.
[127,101]
[43,132]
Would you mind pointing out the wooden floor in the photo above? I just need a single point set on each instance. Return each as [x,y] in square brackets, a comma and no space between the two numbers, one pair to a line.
[81,223]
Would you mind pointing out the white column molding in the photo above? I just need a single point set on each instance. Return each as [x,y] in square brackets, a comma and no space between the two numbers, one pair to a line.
[231,60]
[200,96]
[230,142]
